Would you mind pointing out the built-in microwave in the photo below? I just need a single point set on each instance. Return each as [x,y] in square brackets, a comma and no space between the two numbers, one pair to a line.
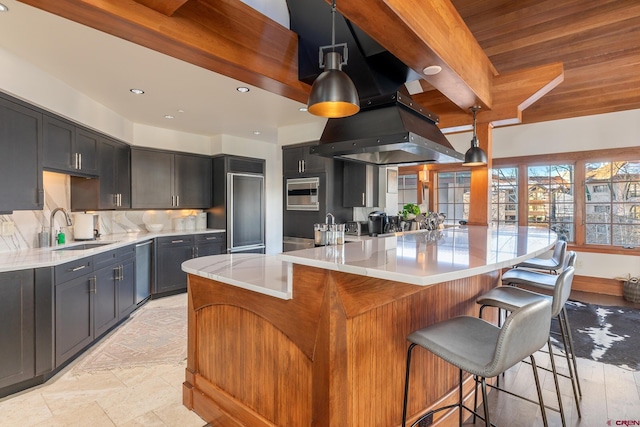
[302,194]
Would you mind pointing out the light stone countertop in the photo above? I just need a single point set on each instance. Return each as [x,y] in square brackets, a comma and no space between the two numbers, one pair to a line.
[420,258]
[47,257]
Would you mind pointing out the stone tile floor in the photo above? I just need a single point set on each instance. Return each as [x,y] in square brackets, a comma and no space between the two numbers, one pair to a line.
[135,396]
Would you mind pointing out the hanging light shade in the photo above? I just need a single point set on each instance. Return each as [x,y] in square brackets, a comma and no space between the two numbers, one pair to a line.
[475,156]
[333,94]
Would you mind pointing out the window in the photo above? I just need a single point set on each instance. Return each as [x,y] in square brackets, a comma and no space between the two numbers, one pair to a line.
[504,196]
[407,190]
[612,211]
[550,198]
[453,192]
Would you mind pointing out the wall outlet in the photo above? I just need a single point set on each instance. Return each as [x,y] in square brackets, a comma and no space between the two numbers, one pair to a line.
[8,228]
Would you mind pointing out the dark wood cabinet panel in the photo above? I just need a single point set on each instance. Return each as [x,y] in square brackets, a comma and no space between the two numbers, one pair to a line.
[126,288]
[86,148]
[210,244]
[171,252]
[74,316]
[112,190]
[21,137]
[69,148]
[192,181]
[105,301]
[297,161]
[360,185]
[169,180]
[151,179]
[17,342]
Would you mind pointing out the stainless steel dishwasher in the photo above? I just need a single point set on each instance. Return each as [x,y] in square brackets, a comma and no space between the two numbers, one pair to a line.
[143,271]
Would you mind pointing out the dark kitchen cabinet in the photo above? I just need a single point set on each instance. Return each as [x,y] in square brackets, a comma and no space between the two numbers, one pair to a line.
[162,179]
[298,161]
[17,334]
[171,252]
[69,148]
[360,185]
[74,289]
[21,137]
[112,190]
[126,281]
[105,299]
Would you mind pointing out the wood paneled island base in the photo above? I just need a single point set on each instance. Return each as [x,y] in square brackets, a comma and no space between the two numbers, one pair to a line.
[334,355]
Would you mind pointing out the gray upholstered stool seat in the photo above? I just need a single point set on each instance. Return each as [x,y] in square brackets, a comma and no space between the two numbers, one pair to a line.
[511,298]
[552,264]
[483,349]
[545,281]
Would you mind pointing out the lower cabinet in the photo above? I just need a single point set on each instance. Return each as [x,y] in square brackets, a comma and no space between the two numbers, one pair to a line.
[171,252]
[17,334]
[92,295]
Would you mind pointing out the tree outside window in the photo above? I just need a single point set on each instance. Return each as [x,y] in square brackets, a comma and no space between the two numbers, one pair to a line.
[612,214]
[504,196]
[550,198]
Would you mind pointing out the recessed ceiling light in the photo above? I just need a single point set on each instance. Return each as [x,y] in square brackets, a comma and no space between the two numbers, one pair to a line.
[242,89]
[136,91]
[303,109]
[181,111]
[169,116]
[431,70]
[256,132]
[3,8]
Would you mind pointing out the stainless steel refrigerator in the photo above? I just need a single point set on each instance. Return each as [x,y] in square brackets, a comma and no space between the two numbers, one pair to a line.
[239,203]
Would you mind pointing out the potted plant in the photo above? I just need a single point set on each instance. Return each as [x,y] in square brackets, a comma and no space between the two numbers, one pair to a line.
[410,210]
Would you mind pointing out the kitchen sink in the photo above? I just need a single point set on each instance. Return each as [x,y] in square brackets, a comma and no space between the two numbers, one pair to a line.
[83,246]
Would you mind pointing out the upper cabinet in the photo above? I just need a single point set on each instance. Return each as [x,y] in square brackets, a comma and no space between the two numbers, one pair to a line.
[113,188]
[168,180]
[69,148]
[21,160]
[298,161]
[360,185]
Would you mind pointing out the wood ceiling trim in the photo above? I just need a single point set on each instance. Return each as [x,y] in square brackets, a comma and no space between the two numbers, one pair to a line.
[423,33]
[166,7]
[235,41]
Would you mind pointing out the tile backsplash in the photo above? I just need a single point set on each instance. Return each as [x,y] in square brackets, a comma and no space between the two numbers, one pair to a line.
[20,230]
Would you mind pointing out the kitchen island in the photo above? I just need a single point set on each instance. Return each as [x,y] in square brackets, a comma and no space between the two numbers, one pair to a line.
[317,337]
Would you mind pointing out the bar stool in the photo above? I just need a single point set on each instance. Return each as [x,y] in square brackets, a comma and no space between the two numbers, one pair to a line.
[547,282]
[484,350]
[510,298]
[552,264]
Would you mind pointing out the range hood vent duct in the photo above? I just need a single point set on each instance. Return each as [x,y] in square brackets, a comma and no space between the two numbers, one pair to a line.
[388,130]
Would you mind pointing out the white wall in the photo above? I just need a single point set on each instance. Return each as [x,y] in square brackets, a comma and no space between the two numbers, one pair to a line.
[613,130]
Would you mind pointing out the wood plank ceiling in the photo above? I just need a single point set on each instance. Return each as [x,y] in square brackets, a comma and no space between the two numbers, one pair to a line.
[547,60]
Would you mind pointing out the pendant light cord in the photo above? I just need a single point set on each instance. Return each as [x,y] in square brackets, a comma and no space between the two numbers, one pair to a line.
[333,25]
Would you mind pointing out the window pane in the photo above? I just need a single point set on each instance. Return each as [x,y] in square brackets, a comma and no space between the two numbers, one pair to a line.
[550,198]
[453,195]
[407,190]
[504,195]
[612,203]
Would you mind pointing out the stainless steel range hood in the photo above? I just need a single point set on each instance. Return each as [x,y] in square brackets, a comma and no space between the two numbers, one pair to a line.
[388,130]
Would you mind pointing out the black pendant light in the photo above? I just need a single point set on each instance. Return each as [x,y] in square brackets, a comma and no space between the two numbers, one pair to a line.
[475,156]
[333,94]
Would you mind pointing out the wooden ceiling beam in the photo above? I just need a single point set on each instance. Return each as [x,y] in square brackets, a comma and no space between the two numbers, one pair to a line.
[423,33]
[233,39]
[166,7]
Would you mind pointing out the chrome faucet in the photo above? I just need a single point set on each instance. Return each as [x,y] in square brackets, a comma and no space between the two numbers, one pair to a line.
[53,213]
[333,219]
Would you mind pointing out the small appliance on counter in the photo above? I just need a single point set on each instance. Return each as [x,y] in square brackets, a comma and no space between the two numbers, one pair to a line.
[378,221]
[84,226]
[356,228]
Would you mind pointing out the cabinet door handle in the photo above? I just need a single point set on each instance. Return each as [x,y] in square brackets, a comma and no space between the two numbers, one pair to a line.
[197,252]
[177,201]
[78,268]
[304,165]
[121,268]
[95,284]
[363,201]
[80,161]
[75,160]
[177,241]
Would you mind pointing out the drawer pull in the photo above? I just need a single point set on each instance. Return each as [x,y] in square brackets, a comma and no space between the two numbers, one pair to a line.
[177,241]
[211,238]
[76,268]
